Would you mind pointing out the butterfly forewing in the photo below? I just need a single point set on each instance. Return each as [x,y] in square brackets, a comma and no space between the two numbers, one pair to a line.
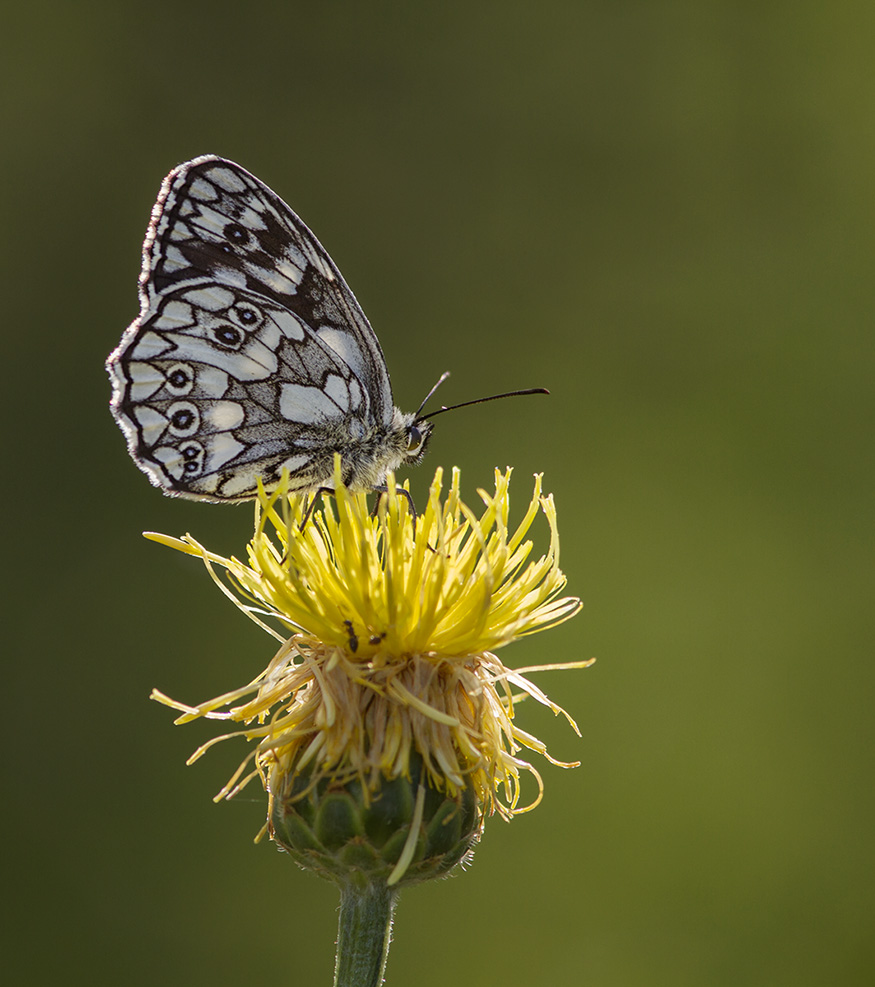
[250,354]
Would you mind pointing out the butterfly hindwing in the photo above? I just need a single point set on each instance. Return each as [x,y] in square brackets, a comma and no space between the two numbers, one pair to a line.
[223,385]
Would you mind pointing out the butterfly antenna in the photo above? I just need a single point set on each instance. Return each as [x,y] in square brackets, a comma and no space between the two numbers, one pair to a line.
[465,404]
[427,398]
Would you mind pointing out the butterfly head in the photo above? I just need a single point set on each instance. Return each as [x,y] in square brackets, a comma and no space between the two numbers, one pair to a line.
[407,441]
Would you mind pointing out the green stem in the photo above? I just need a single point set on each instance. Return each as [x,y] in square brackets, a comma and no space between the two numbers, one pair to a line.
[363,935]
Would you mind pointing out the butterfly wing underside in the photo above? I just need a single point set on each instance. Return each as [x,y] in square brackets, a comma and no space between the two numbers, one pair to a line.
[250,354]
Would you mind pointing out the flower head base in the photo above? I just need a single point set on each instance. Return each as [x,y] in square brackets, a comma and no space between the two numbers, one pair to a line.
[389,671]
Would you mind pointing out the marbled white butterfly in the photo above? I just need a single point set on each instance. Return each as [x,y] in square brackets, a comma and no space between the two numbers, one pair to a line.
[250,354]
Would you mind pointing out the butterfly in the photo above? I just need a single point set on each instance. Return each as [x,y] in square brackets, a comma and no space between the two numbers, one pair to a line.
[250,356]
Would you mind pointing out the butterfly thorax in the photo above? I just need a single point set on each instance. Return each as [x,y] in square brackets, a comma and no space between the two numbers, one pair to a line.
[365,462]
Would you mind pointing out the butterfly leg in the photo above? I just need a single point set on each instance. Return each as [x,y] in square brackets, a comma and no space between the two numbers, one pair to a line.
[312,505]
[383,491]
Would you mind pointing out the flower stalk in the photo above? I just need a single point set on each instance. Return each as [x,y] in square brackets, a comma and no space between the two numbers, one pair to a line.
[364,931]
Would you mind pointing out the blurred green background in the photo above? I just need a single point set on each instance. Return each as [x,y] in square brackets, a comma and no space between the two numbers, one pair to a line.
[661,211]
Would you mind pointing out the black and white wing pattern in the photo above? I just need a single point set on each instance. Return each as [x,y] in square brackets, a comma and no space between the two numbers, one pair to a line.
[250,354]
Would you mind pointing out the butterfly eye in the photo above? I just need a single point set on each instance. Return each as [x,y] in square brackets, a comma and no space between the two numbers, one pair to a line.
[414,440]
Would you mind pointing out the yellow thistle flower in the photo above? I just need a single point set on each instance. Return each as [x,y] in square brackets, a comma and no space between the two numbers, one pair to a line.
[389,672]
